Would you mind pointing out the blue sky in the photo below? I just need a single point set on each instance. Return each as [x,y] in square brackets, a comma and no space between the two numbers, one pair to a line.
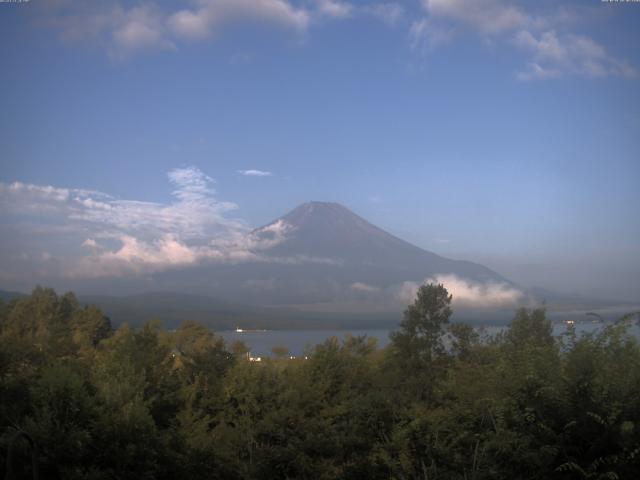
[502,132]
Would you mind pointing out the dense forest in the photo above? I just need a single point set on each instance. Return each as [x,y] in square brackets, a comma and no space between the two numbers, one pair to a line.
[80,400]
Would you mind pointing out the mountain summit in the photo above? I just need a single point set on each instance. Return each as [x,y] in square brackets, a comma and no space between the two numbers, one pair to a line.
[332,231]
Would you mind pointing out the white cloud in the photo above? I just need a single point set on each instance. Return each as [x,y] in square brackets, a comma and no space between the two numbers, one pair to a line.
[28,198]
[164,251]
[90,243]
[466,293]
[202,21]
[121,31]
[277,229]
[115,237]
[194,213]
[156,26]
[138,29]
[549,54]
[192,185]
[554,55]
[142,236]
[364,287]
[142,26]
[255,173]
[193,25]
[334,8]
[487,16]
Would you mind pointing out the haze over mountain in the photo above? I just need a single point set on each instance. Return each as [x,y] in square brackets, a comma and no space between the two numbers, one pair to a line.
[319,264]
[323,255]
[501,132]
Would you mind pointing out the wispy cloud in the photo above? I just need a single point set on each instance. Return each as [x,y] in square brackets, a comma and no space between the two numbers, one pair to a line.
[486,16]
[426,35]
[390,13]
[101,235]
[533,30]
[549,49]
[466,293]
[255,173]
[364,287]
[334,8]
[554,55]
[124,30]
[194,212]
[116,236]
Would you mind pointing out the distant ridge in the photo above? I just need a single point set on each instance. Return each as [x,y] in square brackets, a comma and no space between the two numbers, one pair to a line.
[7,295]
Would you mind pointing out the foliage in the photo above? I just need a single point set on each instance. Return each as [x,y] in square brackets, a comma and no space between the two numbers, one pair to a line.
[439,402]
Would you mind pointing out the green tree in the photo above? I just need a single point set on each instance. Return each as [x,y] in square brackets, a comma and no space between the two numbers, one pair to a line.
[530,327]
[418,346]
[89,326]
[280,351]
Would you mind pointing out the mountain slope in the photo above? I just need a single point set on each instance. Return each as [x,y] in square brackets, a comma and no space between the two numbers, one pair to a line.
[330,231]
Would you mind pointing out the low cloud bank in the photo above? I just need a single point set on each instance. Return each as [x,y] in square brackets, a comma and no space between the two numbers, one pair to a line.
[466,293]
[99,235]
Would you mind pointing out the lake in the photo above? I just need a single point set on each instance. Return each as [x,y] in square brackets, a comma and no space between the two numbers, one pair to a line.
[260,343]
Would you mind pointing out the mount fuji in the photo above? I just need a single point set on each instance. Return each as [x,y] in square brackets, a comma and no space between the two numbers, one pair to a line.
[319,265]
[322,255]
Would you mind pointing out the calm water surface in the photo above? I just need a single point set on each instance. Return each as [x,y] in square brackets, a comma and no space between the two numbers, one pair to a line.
[298,341]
